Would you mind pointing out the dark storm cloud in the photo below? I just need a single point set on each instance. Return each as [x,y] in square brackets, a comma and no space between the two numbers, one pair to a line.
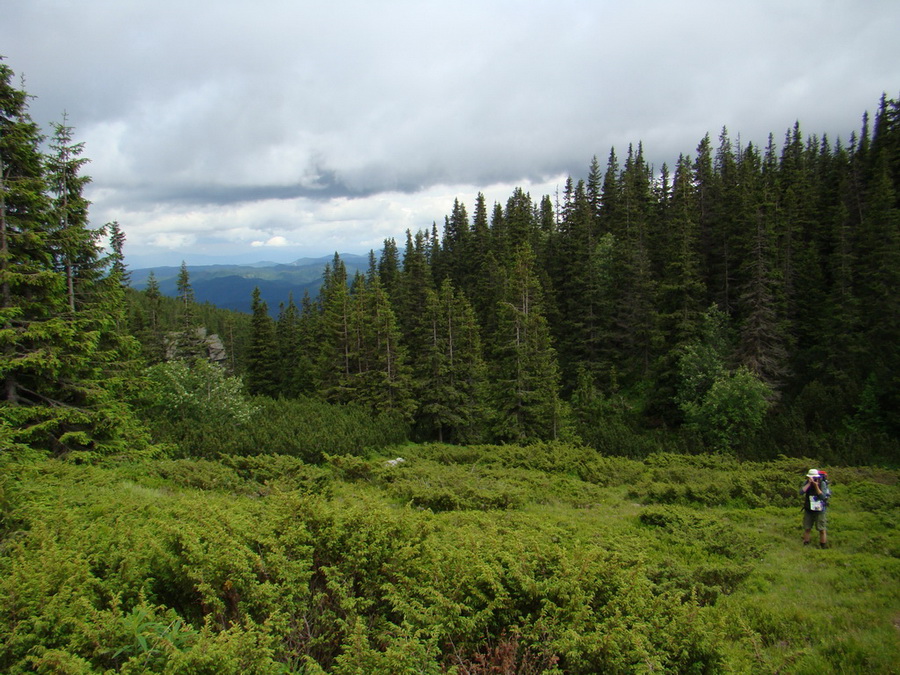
[277,113]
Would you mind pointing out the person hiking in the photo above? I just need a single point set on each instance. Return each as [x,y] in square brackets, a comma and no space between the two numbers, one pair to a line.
[816,493]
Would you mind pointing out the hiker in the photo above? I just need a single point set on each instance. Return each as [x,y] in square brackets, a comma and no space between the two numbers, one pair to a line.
[816,493]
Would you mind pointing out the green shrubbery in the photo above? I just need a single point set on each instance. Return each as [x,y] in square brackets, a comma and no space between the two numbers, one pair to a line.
[487,559]
[306,428]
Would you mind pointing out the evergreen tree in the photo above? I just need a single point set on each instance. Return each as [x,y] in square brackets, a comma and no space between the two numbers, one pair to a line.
[389,269]
[577,287]
[610,196]
[525,375]
[381,377]
[637,320]
[451,376]
[73,244]
[60,387]
[758,282]
[117,247]
[189,339]
[455,247]
[294,371]
[480,245]
[412,300]
[681,288]
[595,188]
[878,281]
[335,335]
[151,333]
[262,377]
[720,253]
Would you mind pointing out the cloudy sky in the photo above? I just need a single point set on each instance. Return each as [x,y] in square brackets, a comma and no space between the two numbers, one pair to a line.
[276,129]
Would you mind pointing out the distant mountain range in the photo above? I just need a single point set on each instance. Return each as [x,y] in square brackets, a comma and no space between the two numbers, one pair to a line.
[230,286]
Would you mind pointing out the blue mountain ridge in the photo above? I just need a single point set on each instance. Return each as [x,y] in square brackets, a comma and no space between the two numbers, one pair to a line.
[230,286]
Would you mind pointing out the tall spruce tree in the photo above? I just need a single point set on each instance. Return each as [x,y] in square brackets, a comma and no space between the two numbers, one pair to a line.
[335,335]
[72,242]
[151,333]
[294,371]
[60,390]
[758,282]
[263,375]
[117,252]
[415,282]
[389,269]
[637,315]
[525,378]
[381,377]
[451,372]
[188,342]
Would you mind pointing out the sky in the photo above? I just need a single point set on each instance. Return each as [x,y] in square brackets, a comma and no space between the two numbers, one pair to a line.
[226,131]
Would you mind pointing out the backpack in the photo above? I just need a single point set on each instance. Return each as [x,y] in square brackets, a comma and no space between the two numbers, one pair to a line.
[824,487]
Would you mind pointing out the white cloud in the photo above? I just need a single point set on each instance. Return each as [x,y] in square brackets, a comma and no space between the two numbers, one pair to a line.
[211,126]
[276,242]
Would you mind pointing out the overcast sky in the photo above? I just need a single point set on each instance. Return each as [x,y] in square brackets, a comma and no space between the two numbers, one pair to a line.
[276,129]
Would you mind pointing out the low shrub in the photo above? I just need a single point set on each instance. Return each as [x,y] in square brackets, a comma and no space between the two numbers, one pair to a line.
[306,428]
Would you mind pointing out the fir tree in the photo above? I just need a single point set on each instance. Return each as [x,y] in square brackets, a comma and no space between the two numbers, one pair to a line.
[335,335]
[151,334]
[59,368]
[293,370]
[389,268]
[525,375]
[117,255]
[451,373]
[758,282]
[188,341]
[381,377]
[73,244]
[262,378]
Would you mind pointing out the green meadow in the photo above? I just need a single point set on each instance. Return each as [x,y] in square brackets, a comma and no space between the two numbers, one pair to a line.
[547,558]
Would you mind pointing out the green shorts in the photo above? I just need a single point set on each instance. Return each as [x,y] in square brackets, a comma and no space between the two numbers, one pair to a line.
[817,518]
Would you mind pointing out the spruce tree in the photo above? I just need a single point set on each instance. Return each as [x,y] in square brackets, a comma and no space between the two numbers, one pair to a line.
[72,242]
[389,269]
[335,335]
[525,378]
[294,376]
[262,376]
[151,334]
[682,290]
[415,282]
[59,367]
[117,255]
[451,372]
[758,282]
[636,313]
[380,375]
[878,281]
[189,340]
[720,254]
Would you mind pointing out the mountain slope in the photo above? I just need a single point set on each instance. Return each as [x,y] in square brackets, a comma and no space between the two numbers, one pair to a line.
[230,286]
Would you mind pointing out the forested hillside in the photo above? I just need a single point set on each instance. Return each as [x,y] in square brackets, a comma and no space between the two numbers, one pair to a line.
[744,299]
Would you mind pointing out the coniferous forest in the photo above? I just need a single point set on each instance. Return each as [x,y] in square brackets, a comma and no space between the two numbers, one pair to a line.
[562,434]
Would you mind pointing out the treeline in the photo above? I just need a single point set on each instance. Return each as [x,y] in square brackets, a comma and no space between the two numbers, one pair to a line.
[748,298]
